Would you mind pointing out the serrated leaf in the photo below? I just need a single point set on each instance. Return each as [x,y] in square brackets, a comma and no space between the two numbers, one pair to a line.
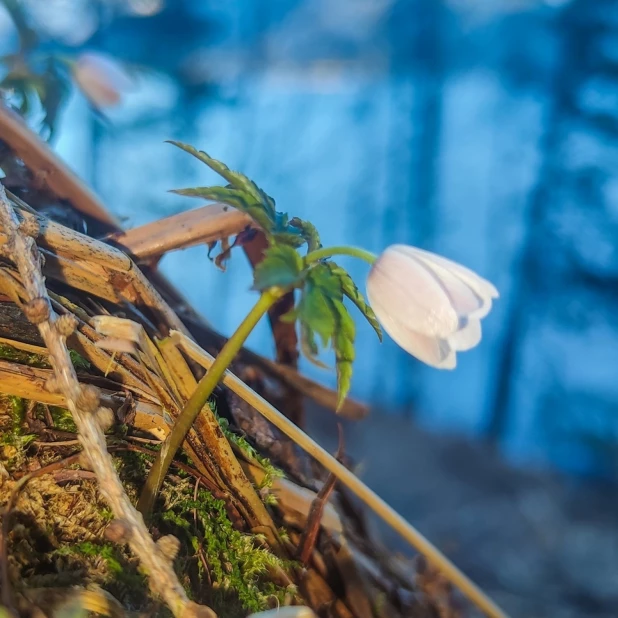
[343,344]
[280,267]
[309,233]
[353,293]
[236,179]
[309,347]
[315,311]
[321,311]
[321,276]
[288,238]
[244,194]
[282,231]
[234,197]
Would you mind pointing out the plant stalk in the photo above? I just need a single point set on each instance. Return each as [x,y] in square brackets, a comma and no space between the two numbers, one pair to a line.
[200,397]
[326,252]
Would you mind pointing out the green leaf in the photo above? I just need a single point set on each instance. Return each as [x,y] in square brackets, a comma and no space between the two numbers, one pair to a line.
[236,198]
[314,309]
[321,276]
[308,346]
[354,294]
[281,266]
[321,312]
[79,362]
[236,179]
[316,313]
[343,344]
[284,232]
[309,233]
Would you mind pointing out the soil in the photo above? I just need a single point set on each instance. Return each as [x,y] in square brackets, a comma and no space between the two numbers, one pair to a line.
[541,545]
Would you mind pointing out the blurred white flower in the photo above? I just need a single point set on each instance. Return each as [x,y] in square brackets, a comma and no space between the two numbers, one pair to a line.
[430,306]
[101,79]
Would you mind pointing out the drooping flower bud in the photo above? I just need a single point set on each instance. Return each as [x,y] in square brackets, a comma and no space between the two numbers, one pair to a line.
[101,79]
[432,307]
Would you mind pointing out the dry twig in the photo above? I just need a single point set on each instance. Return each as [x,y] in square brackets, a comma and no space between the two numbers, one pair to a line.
[310,533]
[186,229]
[83,403]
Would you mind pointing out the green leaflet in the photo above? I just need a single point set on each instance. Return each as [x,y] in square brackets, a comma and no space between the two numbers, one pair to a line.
[309,233]
[343,344]
[247,197]
[280,267]
[314,310]
[282,231]
[236,179]
[234,197]
[354,294]
[309,347]
[321,312]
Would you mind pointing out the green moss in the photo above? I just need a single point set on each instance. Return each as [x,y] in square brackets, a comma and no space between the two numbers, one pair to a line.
[63,419]
[79,362]
[16,407]
[106,552]
[110,566]
[238,565]
[15,355]
[10,353]
[13,433]
[271,472]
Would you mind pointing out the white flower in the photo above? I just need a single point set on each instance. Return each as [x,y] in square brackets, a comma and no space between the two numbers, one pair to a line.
[430,306]
[101,79]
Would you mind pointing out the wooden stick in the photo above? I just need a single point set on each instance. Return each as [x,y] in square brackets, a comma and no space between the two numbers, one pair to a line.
[186,229]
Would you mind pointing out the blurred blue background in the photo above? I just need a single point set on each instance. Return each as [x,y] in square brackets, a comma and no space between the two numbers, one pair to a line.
[484,130]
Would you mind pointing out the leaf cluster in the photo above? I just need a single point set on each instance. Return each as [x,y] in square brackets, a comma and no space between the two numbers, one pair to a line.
[322,285]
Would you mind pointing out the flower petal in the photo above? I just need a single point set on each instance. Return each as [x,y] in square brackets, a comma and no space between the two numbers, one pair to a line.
[481,286]
[399,285]
[457,279]
[468,337]
[463,298]
[430,350]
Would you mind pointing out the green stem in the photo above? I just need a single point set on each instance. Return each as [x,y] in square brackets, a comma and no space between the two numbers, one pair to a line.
[200,397]
[326,252]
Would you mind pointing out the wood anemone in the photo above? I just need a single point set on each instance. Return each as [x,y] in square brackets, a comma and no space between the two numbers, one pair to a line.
[123,401]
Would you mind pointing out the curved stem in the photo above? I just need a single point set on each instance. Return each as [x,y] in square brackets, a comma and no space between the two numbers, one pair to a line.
[325,252]
[200,397]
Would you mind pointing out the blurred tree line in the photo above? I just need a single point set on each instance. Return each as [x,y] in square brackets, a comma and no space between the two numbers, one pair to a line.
[483,130]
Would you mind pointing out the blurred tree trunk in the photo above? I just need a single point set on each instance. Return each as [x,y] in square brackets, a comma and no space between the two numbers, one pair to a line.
[544,272]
